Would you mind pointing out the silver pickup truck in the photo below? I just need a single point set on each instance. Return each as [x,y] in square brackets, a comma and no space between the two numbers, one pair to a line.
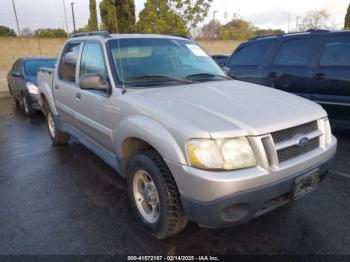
[192,143]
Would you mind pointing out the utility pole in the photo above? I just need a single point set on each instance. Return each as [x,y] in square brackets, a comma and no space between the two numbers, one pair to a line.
[288,20]
[214,13]
[297,25]
[14,10]
[72,5]
[65,16]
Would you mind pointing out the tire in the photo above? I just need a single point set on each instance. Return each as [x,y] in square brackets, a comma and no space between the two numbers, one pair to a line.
[57,136]
[171,218]
[17,103]
[27,109]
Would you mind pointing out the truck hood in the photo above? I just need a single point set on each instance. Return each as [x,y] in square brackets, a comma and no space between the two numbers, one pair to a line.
[229,108]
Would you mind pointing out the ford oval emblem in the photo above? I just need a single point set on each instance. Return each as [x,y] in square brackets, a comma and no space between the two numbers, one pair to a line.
[303,141]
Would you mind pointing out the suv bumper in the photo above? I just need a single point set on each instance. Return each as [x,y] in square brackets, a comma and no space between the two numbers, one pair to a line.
[219,199]
[240,207]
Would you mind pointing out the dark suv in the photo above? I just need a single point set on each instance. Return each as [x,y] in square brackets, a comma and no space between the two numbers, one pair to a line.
[313,64]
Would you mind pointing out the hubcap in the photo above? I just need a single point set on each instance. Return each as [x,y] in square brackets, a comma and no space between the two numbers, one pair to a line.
[146,196]
[51,125]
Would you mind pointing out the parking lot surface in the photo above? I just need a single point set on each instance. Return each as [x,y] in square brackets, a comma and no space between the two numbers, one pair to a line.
[65,200]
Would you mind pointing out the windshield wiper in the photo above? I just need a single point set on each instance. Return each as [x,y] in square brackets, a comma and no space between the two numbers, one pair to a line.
[161,78]
[207,75]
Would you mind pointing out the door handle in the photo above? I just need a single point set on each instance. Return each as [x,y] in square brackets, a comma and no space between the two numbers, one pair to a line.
[319,76]
[272,75]
[78,96]
[56,87]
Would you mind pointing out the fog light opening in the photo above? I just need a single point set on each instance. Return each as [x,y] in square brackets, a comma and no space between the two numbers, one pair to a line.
[235,212]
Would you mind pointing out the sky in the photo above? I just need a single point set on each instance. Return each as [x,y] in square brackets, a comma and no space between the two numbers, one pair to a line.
[262,13]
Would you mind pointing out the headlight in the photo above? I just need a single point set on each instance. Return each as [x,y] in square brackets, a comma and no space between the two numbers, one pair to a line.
[33,89]
[227,154]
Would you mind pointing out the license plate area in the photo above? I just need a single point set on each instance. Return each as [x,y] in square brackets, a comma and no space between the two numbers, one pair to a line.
[306,183]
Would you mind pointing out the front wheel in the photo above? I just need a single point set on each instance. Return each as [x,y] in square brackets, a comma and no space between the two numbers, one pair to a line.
[28,110]
[57,136]
[154,196]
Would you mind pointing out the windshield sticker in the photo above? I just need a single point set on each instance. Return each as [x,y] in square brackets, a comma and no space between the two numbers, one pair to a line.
[196,50]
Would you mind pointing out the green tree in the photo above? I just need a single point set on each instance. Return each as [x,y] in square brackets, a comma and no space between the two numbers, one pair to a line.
[108,16]
[83,29]
[347,19]
[119,13]
[92,23]
[158,18]
[50,32]
[237,29]
[6,31]
[268,32]
[126,16]
[191,11]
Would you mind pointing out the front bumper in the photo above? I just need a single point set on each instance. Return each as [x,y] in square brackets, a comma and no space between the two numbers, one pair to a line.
[241,207]
[34,101]
[206,194]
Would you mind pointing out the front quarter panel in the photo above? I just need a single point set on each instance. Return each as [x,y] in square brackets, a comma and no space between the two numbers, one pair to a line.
[153,133]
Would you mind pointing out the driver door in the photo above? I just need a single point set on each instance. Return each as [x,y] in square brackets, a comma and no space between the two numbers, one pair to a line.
[91,104]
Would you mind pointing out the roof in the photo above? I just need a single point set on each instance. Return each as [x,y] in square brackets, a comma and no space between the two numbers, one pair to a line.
[37,58]
[106,35]
[309,32]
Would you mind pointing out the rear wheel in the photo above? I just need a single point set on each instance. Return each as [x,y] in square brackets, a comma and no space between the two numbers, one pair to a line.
[154,196]
[58,137]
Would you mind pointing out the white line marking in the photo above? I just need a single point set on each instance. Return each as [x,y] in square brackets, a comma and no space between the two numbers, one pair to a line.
[341,174]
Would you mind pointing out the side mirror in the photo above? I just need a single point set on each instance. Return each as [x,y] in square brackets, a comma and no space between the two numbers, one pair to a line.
[16,74]
[226,70]
[93,82]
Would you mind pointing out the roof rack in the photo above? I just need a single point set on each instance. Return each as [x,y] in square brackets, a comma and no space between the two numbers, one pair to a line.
[317,31]
[291,33]
[183,36]
[103,34]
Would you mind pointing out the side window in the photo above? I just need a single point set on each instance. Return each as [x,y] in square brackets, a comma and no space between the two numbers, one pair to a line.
[251,54]
[69,62]
[92,61]
[336,52]
[17,67]
[294,53]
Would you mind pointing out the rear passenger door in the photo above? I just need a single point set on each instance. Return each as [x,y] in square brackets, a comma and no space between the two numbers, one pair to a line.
[66,86]
[330,85]
[291,66]
[247,63]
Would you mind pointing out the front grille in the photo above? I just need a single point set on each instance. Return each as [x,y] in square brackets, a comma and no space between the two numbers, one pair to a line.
[294,151]
[289,133]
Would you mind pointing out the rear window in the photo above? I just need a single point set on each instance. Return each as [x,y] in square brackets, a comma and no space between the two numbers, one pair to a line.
[251,54]
[336,52]
[295,52]
[32,67]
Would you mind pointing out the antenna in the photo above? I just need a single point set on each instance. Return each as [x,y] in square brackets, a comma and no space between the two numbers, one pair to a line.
[119,53]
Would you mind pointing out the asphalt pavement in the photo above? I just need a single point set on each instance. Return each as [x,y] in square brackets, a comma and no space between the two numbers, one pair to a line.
[65,200]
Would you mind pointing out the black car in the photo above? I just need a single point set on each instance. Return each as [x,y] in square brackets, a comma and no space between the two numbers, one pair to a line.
[220,59]
[313,64]
[22,82]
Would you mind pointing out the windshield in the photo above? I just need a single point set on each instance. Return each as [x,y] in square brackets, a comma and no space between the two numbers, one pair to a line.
[32,67]
[159,61]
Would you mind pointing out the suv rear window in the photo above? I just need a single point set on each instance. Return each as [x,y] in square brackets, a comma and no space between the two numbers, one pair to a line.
[294,52]
[251,54]
[336,51]
[68,62]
